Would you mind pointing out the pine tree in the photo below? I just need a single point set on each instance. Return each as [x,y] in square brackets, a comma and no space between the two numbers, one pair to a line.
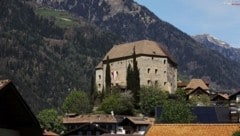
[108,77]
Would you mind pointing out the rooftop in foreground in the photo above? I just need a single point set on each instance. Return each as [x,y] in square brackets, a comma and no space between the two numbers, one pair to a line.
[192,129]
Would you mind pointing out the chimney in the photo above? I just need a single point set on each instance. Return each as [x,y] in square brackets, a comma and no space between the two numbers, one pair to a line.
[112,113]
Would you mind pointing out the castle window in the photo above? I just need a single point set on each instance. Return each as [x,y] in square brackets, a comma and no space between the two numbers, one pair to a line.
[165,83]
[152,58]
[149,82]
[156,82]
[99,77]
[156,71]
[165,72]
[148,70]
[99,85]
[164,62]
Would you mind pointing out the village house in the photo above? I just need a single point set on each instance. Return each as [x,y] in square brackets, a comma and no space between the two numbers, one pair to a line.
[155,65]
[220,99]
[197,88]
[105,124]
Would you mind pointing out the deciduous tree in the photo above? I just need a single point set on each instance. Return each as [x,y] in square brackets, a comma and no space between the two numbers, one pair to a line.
[176,112]
[50,120]
[150,97]
[119,103]
[76,102]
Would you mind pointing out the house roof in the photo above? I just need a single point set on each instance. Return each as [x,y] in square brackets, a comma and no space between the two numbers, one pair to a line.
[211,114]
[234,95]
[143,47]
[197,90]
[182,84]
[4,83]
[49,133]
[100,65]
[14,111]
[220,95]
[195,83]
[90,119]
[192,129]
[107,134]
[140,120]
[85,127]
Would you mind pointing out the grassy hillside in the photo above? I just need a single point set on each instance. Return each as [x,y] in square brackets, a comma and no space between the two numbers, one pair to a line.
[61,18]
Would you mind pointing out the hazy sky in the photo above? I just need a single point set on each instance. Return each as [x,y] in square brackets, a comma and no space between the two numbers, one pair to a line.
[215,17]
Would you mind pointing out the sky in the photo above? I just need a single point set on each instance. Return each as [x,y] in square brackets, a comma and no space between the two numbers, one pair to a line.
[215,17]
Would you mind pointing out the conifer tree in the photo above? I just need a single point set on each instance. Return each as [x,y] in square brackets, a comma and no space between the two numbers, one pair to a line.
[108,77]
[136,78]
[93,91]
[129,77]
[133,80]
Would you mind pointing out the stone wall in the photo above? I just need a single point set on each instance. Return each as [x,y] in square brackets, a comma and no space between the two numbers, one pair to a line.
[153,71]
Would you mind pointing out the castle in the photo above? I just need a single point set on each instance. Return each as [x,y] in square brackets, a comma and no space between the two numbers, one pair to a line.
[156,67]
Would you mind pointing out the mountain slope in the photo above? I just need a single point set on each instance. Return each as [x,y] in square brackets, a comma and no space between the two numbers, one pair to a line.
[44,61]
[220,46]
[135,22]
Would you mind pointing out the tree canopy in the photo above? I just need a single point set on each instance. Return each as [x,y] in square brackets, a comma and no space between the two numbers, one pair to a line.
[236,133]
[176,112]
[120,104]
[150,97]
[76,102]
[203,100]
[50,120]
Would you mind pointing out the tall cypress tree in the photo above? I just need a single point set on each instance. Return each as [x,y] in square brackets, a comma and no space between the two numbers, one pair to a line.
[129,77]
[136,79]
[107,77]
[133,79]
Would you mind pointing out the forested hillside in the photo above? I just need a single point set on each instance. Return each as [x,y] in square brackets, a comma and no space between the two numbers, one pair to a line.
[44,60]
[135,22]
[48,52]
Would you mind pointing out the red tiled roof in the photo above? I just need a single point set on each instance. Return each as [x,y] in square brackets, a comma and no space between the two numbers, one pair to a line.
[193,129]
[195,83]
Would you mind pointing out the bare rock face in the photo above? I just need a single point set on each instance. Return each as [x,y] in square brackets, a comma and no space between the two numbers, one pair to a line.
[220,46]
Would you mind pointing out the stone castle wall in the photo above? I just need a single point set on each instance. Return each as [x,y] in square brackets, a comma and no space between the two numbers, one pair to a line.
[153,71]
